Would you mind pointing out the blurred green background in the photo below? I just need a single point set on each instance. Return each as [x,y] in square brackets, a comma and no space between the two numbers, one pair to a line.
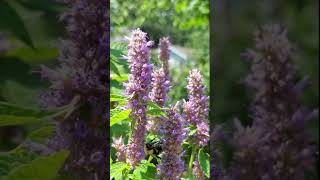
[29,36]
[186,22]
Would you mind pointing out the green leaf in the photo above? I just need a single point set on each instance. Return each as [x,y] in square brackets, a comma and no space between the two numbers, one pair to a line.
[116,97]
[118,117]
[122,78]
[114,68]
[192,130]
[12,22]
[41,168]
[11,114]
[121,46]
[33,56]
[154,109]
[42,134]
[14,158]
[145,170]
[16,93]
[204,161]
[117,169]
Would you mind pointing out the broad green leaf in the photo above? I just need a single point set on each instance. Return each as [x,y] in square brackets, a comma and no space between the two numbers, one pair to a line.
[116,97]
[118,117]
[12,22]
[145,171]
[204,161]
[117,169]
[41,168]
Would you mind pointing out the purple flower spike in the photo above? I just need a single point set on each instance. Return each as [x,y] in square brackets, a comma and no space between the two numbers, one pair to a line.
[278,145]
[160,87]
[138,90]
[164,54]
[172,165]
[196,109]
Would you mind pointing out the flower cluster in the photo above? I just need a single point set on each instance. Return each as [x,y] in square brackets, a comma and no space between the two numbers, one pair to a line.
[277,145]
[138,90]
[164,54]
[172,165]
[160,87]
[121,149]
[196,108]
[82,73]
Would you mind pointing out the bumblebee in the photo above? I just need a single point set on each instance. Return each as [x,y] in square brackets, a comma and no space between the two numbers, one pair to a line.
[154,148]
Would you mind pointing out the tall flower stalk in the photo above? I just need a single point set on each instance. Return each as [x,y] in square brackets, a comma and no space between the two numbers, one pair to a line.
[82,73]
[164,55]
[277,145]
[172,166]
[196,113]
[138,89]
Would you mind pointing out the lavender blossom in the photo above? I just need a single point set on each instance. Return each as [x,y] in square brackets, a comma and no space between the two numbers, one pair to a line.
[121,151]
[82,73]
[160,87]
[278,144]
[164,54]
[196,108]
[138,89]
[172,166]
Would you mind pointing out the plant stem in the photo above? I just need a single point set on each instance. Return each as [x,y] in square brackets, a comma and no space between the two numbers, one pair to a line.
[150,159]
[192,159]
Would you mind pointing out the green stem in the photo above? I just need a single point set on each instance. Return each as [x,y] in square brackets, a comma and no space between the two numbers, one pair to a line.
[192,158]
[150,159]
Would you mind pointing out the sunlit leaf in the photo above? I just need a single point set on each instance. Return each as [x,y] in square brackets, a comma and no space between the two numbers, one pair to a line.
[118,117]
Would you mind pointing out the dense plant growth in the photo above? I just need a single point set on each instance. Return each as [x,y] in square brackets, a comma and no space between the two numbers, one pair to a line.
[152,138]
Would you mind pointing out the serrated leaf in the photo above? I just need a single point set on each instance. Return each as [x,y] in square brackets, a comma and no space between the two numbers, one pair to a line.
[41,168]
[145,171]
[120,116]
[117,169]
[12,22]
[204,161]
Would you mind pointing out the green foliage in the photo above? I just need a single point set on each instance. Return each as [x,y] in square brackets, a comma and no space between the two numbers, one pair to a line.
[12,22]
[145,171]
[204,161]
[11,114]
[117,169]
[119,116]
[41,168]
